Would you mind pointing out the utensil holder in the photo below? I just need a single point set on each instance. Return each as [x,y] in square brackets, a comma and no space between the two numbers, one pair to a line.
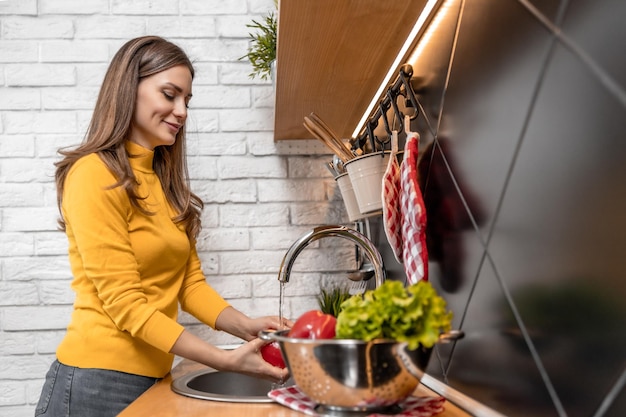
[349,199]
[366,173]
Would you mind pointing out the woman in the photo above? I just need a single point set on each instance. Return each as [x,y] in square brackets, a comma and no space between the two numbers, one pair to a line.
[131,222]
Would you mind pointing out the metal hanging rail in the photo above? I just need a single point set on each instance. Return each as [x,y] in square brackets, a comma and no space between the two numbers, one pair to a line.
[400,87]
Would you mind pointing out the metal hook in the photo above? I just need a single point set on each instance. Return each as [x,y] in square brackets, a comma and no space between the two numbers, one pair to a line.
[384,107]
[371,125]
[405,75]
[400,87]
[394,104]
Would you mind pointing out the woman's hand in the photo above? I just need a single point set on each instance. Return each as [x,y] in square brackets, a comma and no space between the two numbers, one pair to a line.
[266,323]
[238,324]
[247,359]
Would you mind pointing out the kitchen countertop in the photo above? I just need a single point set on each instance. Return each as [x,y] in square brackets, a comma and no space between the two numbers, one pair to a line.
[160,400]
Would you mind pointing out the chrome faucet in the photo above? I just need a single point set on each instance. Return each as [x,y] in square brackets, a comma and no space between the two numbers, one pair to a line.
[332,230]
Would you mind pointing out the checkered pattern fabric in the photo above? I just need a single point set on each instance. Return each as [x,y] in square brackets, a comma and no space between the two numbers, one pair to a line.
[391,204]
[413,213]
[295,399]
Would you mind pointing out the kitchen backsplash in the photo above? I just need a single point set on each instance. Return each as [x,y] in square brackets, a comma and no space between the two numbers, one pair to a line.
[526,194]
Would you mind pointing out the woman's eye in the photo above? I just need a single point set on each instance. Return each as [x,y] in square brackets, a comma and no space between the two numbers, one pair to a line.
[172,97]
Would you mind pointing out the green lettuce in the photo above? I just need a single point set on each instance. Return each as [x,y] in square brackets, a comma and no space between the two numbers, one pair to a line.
[415,314]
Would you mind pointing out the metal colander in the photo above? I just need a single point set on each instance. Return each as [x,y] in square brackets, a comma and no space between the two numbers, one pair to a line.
[353,375]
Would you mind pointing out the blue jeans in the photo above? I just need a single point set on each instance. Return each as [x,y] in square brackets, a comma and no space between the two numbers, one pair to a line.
[77,392]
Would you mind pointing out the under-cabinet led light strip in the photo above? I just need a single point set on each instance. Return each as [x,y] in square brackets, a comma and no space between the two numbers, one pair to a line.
[424,17]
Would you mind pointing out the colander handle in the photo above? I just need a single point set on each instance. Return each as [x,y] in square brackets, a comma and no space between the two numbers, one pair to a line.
[268,335]
[407,363]
[451,336]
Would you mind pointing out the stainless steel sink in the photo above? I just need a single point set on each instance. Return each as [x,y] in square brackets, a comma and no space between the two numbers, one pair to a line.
[208,384]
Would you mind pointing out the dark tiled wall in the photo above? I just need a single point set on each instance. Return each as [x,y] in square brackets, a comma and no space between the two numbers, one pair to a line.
[524,166]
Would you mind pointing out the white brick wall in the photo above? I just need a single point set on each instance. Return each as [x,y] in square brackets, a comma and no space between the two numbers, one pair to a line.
[260,195]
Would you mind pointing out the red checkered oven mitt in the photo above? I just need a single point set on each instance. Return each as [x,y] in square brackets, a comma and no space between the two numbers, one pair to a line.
[391,201]
[413,213]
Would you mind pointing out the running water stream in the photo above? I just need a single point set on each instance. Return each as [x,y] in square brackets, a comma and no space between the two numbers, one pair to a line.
[281,305]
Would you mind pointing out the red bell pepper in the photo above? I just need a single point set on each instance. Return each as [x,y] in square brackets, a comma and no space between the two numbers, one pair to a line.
[314,325]
[272,354]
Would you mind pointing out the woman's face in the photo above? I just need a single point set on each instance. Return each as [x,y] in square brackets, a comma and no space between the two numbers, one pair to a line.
[161,108]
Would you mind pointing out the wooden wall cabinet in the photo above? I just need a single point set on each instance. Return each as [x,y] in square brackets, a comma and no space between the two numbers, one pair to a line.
[332,56]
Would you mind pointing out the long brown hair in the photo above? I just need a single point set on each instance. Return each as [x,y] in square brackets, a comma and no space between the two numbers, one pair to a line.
[110,127]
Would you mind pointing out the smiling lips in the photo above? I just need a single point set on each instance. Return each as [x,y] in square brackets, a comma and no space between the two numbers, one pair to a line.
[174,127]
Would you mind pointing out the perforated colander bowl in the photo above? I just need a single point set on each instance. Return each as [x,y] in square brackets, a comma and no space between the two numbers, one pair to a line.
[352,375]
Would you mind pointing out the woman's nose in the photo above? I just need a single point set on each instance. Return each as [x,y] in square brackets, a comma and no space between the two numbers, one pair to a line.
[180,109]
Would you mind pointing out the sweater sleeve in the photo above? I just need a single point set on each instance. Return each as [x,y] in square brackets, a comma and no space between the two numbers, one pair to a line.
[98,217]
[197,297]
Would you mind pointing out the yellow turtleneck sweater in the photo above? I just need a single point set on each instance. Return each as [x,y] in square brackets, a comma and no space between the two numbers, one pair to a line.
[130,272]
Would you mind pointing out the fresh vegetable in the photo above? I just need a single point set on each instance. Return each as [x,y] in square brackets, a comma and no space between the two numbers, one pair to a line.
[314,325]
[416,315]
[272,354]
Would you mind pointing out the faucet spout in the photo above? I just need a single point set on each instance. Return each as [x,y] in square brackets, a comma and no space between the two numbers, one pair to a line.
[333,230]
